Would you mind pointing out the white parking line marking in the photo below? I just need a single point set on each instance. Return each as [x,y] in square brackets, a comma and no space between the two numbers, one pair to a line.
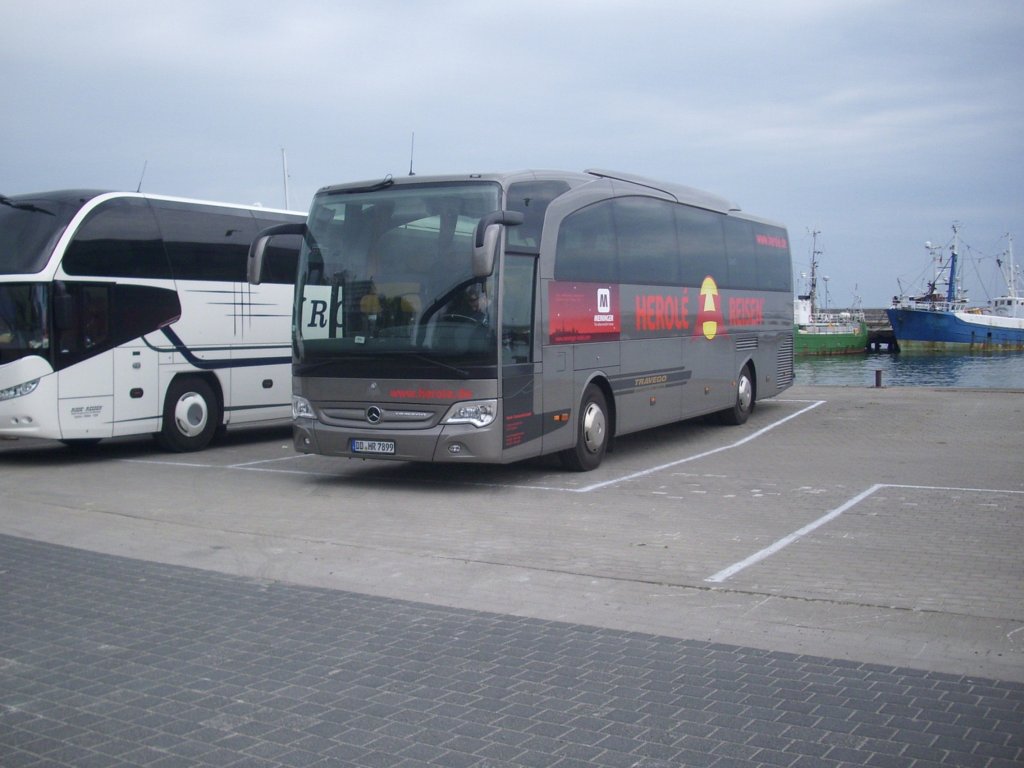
[785,541]
[251,465]
[246,464]
[661,467]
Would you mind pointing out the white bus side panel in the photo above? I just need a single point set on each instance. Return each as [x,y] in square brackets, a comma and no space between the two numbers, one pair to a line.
[85,405]
[225,324]
[137,399]
[263,393]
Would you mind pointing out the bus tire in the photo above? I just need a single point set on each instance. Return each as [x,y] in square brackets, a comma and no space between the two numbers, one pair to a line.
[591,433]
[744,403]
[192,415]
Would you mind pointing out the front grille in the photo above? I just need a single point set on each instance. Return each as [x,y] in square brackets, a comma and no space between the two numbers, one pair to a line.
[390,416]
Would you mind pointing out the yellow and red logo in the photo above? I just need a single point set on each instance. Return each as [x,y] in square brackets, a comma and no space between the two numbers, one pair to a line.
[709,308]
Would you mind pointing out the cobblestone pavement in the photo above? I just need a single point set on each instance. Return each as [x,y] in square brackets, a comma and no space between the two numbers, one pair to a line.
[108,661]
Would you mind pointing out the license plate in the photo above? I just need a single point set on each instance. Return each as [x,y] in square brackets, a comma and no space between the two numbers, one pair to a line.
[373,446]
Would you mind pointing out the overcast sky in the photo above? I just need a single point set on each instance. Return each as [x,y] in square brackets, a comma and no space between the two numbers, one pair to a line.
[877,123]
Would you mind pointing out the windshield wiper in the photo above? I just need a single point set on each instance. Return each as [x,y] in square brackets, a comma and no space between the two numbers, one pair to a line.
[24,206]
[387,181]
[434,361]
[314,365]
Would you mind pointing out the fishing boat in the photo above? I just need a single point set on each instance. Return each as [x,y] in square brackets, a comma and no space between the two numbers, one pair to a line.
[825,333]
[938,321]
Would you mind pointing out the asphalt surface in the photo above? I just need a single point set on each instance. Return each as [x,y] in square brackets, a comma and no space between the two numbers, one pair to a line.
[838,582]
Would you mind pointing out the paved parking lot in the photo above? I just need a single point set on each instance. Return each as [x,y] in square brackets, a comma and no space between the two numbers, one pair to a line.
[848,559]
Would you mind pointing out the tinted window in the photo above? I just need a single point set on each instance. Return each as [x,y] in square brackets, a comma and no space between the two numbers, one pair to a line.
[24,320]
[29,228]
[118,239]
[281,259]
[206,242]
[701,244]
[648,252]
[517,310]
[531,198]
[95,317]
[586,249]
[741,252]
[774,272]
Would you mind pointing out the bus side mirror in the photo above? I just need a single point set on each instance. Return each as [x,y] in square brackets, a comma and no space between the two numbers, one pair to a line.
[258,248]
[485,242]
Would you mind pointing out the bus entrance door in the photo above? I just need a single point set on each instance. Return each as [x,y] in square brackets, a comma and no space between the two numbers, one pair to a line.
[84,404]
[136,392]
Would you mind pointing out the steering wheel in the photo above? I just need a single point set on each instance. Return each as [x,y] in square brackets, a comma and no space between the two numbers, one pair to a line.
[456,317]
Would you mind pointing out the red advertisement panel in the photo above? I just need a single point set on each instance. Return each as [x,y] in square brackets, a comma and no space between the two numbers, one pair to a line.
[580,312]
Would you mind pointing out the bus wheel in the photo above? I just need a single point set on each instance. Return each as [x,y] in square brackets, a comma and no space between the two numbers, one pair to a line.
[744,404]
[191,416]
[591,433]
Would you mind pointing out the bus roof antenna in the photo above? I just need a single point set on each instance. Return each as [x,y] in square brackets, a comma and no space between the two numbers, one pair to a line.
[284,172]
[142,175]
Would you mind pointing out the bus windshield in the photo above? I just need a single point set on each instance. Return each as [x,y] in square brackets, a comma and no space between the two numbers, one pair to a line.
[388,272]
[29,228]
[24,328]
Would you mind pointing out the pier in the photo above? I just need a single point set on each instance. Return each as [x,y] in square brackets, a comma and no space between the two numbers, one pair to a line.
[880,333]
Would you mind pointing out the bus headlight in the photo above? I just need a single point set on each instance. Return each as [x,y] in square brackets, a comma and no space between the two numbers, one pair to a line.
[19,390]
[302,408]
[479,413]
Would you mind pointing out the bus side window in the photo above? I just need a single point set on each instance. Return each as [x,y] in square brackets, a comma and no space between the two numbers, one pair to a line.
[701,244]
[206,243]
[517,310]
[741,253]
[95,317]
[83,327]
[119,238]
[773,271]
[586,249]
[530,198]
[648,251]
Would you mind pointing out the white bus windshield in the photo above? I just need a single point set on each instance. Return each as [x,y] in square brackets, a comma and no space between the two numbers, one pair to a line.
[24,325]
[389,272]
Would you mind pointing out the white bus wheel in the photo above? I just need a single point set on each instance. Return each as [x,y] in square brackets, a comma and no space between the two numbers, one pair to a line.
[192,415]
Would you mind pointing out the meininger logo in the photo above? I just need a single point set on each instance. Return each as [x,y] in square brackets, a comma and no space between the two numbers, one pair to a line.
[604,306]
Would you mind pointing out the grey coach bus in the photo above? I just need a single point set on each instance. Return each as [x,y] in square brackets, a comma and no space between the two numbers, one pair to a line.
[497,317]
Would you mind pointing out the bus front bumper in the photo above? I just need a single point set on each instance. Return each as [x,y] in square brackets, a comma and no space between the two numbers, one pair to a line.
[451,443]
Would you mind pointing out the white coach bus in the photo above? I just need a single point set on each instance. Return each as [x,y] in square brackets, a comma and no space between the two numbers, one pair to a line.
[125,313]
[496,317]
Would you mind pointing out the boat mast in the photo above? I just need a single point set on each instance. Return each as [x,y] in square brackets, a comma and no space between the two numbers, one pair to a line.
[951,291]
[813,294]
[1011,284]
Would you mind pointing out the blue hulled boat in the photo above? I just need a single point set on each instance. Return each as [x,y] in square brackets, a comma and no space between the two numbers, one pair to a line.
[937,322]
